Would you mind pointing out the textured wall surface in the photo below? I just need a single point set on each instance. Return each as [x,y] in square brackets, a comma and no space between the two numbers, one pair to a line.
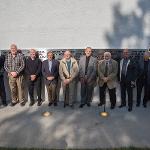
[75,23]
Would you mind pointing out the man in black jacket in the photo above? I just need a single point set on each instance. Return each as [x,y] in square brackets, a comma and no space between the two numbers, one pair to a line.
[33,71]
[2,87]
[127,76]
[142,77]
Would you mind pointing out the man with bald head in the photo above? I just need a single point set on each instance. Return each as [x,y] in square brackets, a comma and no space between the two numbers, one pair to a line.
[127,74]
[33,71]
[88,76]
[14,65]
[68,71]
[107,74]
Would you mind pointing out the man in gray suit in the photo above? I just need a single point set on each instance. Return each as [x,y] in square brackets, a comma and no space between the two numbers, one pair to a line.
[107,73]
[87,75]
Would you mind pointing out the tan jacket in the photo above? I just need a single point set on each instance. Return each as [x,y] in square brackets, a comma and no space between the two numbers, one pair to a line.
[112,73]
[63,71]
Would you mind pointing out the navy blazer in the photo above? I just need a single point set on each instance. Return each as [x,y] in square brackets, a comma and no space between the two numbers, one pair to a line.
[54,71]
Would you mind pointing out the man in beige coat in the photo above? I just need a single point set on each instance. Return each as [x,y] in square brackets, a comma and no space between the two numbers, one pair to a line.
[68,71]
[107,73]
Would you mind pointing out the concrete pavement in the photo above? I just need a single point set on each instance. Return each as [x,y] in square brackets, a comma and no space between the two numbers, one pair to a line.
[74,128]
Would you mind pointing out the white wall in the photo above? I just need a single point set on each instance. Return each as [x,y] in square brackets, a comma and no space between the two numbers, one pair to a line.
[75,23]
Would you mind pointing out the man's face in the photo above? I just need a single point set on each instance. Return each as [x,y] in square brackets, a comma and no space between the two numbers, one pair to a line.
[50,56]
[125,53]
[13,49]
[32,53]
[67,55]
[146,56]
[88,52]
[107,57]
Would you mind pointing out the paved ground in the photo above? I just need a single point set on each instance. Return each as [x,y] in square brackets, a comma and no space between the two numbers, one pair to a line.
[78,128]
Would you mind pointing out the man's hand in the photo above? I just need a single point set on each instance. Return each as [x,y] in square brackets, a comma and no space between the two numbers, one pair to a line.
[132,84]
[50,78]
[33,77]
[82,80]
[14,74]
[67,81]
[105,79]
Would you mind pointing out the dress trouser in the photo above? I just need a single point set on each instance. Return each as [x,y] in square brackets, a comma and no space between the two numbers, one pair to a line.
[146,93]
[112,94]
[139,87]
[34,84]
[69,92]
[51,90]
[86,92]
[126,86]
[17,88]
[2,90]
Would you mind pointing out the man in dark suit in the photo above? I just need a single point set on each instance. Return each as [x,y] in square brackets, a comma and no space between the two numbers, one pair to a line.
[88,76]
[142,78]
[127,79]
[2,87]
[50,71]
[33,71]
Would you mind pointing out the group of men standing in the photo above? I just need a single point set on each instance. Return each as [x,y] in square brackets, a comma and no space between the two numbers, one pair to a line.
[88,71]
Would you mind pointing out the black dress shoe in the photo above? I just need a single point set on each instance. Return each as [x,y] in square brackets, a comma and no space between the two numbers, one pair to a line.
[39,103]
[31,103]
[112,107]
[81,105]
[100,104]
[129,109]
[4,104]
[122,105]
[13,104]
[65,105]
[55,104]
[88,104]
[50,103]
[72,106]
[144,105]
[22,103]
[137,105]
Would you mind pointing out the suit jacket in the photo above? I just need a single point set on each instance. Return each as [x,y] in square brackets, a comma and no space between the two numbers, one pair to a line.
[91,70]
[54,71]
[148,73]
[2,60]
[131,70]
[33,67]
[112,73]
[63,71]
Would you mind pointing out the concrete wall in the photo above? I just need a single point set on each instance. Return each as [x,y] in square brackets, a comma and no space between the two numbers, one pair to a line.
[75,23]
[61,24]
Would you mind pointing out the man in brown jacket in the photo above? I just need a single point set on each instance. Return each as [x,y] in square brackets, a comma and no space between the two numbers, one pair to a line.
[107,73]
[68,71]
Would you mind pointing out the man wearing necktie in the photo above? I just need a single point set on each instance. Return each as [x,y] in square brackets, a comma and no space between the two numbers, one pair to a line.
[107,73]
[50,71]
[127,79]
